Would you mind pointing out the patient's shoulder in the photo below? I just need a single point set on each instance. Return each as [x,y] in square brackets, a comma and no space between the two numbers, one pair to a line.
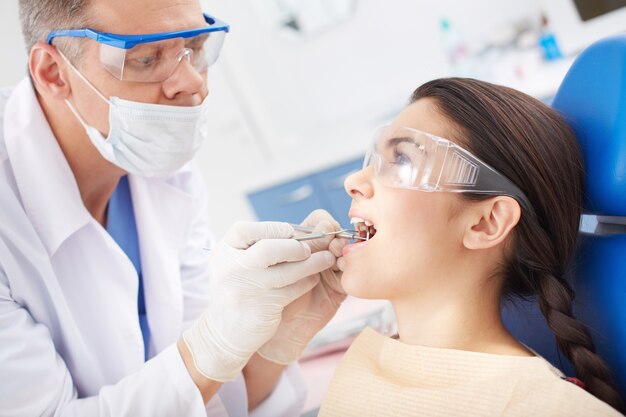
[547,393]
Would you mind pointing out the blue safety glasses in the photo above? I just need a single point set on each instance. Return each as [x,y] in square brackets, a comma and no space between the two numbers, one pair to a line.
[154,57]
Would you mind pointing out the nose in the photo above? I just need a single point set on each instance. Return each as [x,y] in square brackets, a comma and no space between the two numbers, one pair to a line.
[186,84]
[359,185]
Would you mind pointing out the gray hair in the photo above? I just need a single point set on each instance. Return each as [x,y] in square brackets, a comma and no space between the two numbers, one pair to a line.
[40,17]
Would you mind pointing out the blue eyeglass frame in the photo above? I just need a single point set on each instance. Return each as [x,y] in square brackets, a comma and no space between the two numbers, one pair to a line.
[129,41]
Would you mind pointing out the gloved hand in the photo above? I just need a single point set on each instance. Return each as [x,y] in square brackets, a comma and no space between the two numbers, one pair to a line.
[256,271]
[306,316]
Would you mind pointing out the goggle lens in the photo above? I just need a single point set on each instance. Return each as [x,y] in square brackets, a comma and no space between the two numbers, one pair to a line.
[397,159]
[157,61]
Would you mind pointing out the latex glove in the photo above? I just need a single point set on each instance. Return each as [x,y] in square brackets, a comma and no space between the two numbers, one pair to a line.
[306,316]
[256,271]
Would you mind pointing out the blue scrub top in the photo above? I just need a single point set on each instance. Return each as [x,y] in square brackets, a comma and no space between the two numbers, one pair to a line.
[123,229]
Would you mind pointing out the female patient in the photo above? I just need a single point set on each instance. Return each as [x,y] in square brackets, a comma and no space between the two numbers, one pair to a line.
[506,226]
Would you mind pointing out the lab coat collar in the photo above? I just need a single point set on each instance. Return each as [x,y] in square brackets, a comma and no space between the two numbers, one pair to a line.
[47,186]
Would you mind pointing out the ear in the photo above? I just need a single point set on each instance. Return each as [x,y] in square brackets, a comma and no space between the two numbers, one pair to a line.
[48,71]
[491,222]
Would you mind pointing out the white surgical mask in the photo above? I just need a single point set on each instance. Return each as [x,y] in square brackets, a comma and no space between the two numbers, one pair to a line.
[151,140]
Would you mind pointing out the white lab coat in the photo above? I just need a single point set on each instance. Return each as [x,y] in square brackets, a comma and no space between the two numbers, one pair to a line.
[70,341]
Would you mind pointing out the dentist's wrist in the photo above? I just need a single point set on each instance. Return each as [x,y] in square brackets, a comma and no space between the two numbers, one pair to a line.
[213,356]
[207,387]
[261,377]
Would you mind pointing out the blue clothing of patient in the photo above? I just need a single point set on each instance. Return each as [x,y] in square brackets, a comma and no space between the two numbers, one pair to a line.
[123,229]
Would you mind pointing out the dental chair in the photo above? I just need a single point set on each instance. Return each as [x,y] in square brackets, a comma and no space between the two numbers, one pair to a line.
[593,99]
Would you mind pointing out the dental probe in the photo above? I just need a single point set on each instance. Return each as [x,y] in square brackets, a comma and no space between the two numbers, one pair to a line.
[346,234]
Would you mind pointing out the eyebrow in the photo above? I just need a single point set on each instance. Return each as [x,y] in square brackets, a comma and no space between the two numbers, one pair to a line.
[404,139]
[149,47]
[198,38]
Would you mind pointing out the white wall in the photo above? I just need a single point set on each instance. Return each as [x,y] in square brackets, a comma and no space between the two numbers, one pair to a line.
[285,107]
[13,65]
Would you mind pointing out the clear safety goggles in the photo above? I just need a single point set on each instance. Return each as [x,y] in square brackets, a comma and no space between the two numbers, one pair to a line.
[408,158]
[154,57]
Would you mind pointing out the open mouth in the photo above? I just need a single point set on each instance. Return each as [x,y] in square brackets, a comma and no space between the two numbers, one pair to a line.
[365,227]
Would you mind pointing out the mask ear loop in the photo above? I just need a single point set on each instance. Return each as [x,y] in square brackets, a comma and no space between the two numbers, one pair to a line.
[86,81]
[82,77]
[78,116]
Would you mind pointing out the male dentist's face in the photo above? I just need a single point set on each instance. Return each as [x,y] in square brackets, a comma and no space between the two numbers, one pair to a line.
[185,87]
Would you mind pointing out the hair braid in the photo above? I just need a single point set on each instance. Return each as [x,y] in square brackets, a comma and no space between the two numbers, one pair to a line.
[533,268]
[574,340]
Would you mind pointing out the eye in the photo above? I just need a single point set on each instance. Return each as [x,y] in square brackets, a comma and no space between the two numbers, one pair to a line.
[400,158]
[146,60]
[195,48]
[197,44]
[143,61]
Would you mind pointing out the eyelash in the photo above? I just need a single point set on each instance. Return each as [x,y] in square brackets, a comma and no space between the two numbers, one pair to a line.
[397,154]
[153,58]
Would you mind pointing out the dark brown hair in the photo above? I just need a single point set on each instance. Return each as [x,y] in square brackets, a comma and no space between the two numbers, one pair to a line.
[532,145]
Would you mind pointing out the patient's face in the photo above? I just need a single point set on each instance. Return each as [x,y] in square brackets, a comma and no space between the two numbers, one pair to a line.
[417,235]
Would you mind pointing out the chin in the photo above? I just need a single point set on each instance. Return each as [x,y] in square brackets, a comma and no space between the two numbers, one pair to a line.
[355,285]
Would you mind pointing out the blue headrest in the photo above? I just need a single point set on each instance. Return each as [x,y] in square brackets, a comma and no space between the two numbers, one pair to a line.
[592,97]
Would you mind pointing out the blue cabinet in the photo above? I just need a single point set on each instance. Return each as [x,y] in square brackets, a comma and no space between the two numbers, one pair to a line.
[294,200]
[290,202]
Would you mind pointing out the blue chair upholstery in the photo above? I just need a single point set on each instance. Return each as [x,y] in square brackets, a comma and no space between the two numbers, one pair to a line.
[593,99]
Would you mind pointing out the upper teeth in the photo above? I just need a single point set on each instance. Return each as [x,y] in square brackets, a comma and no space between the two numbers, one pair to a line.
[356,220]
[361,224]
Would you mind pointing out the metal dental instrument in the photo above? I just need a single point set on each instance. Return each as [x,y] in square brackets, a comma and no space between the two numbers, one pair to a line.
[311,234]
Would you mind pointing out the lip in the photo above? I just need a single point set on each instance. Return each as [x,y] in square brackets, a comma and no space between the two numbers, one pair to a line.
[353,247]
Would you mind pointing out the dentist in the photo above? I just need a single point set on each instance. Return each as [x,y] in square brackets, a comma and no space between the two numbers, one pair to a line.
[108,304]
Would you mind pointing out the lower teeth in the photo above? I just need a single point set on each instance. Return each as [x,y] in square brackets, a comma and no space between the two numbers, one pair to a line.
[366,232]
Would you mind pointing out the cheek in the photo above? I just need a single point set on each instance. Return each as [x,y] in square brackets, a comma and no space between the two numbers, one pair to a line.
[415,246]
[91,107]
[150,93]
[422,232]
